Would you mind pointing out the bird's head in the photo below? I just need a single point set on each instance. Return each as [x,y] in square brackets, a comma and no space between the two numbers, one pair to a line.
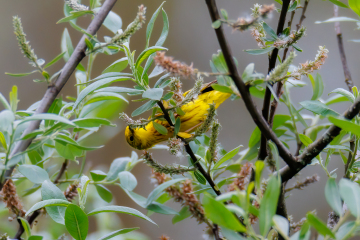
[133,137]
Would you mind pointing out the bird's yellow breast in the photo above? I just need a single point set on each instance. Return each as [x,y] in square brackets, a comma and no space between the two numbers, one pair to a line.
[195,113]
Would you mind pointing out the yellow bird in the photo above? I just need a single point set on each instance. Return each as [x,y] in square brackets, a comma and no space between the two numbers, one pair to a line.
[195,114]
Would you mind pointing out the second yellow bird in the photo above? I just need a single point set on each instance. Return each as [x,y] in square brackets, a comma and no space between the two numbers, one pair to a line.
[195,113]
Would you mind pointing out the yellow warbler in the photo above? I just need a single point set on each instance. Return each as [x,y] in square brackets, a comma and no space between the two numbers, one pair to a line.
[195,114]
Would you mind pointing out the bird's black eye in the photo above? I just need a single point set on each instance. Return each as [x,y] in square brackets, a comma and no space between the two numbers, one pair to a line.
[131,138]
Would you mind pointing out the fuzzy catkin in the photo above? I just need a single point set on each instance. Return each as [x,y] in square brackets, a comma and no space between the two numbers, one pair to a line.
[71,192]
[242,178]
[11,199]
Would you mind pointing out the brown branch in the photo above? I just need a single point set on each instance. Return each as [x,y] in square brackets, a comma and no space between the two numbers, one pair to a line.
[62,170]
[245,94]
[272,62]
[302,18]
[348,79]
[54,88]
[316,147]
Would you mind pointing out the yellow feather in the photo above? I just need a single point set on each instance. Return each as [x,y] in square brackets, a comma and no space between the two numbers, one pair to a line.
[195,113]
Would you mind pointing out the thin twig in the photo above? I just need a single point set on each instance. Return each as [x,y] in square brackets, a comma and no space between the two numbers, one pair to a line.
[62,170]
[54,88]
[272,62]
[348,79]
[245,94]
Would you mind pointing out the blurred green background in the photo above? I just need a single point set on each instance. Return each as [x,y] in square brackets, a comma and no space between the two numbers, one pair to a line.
[192,40]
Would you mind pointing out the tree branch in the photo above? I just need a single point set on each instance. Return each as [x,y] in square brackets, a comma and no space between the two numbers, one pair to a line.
[54,88]
[245,94]
[316,147]
[272,62]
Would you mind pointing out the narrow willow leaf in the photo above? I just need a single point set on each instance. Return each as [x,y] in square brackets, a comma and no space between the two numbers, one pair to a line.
[21,74]
[146,53]
[338,19]
[127,180]
[151,23]
[47,116]
[318,108]
[183,214]
[319,225]
[346,125]
[227,156]
[159,189]
[350,193]
[118,232]
[153,93]
[47,203]
[259,51]
[219,214]
[332,196]
[344,93]
[34,173]
[146,107]
[26,226]
[120,209]
[51,191]
[104,193]
[160,128]
[117,66]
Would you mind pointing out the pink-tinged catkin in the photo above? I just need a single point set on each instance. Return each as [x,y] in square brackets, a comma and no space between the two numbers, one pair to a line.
[296,226]
[242,178]
[71,192]
[11,199]
[174,67]
[183,194]
[163,237]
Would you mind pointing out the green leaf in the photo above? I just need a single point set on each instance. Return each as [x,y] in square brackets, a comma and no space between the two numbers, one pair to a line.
[346,125]
[332,196]
[89,45]
[224,14]
[117,166]
[94,86]
[292,7]
[97,175]
[33,237]
[21,74]
[165,30]
[270,31]
[219,214]
[355,6]
[14,98]
[146,53]
[318,108]
[76,222]
[146,107]
[201,179]
[118,232]
[92,122]
[161,208]
[319,225]
[50,191]
[120,209]
[177,126]
[216,24]
[350,193]
[131,91]
[66,45]
[47,203]
[282,225]
[183,214]
[227,157]
[268,205]
[305,140]
[47,116]
[339,3]
[275,153]
[34,173]
[3,141]
[67,151]
[151,23]
[127,180]
[221,88]
[317,85]
[259,51]
[153,93]
[338,19]
[158,190]
[104,193]
[117,66]
[4,102]
[344,93]
[160,128]
[74,15]
[26,226]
